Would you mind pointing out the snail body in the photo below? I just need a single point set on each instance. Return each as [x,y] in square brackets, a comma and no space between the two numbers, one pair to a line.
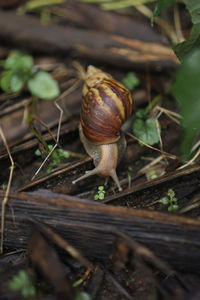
[105,107]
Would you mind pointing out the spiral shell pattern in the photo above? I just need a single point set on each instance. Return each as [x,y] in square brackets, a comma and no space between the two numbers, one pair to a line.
[106,106]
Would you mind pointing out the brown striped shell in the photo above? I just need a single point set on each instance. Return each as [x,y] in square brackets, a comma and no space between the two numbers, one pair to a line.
[106,106]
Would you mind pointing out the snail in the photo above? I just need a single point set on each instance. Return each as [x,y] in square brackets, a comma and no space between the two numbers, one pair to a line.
[106,104]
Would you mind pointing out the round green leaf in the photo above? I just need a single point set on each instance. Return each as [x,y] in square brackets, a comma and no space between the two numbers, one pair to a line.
[19,62]
[96,197]
[12,59]
[101,196]
[5,81]
[26,63]
[43,86]
[164,200]
[16,83]
[146,131]
[101,188]
[130,81]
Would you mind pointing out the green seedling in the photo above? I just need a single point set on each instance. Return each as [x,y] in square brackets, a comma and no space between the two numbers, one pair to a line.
[24,283]
[153,174]
[100,194]
[82,296]
[130,169]
[56,157]
[145,128]
[170,200]
[4,186]
[130,81]
[19,73]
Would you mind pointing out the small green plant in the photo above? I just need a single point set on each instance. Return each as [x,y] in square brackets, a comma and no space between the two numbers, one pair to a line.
[130,81]
[153,174]
[19,70]
[25,283]
[145,128]
[4,186]
[56,157]
[130,168]
[170,200]
[100,193]
[82,296]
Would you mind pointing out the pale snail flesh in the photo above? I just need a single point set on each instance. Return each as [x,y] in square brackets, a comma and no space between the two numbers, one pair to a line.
[105,107]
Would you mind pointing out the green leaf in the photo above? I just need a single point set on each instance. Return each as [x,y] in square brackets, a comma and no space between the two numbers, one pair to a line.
[186,90]
[194,8]
[101,188]
[175,207]
[37,152]
[164,200]
[16,83]
[174,200]
[101,196]
[146,130]
[63,153]
[5,81]
[82,296]
[43,86]
[12,59]
[162,5]
[171,193]
[183,49]
[142,113]
[11,82]
[96,197]
[19,62]
[130,81]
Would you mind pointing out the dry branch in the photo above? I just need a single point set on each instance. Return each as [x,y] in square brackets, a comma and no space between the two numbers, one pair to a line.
[27,32]
[94,227]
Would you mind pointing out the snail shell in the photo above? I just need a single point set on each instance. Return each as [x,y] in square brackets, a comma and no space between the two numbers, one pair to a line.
[106,106]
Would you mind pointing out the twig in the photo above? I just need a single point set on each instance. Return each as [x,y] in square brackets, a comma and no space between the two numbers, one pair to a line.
[153,148]
[5,199]
[190,161]
[172,115]
[57,140]
[151,164]
[177,24]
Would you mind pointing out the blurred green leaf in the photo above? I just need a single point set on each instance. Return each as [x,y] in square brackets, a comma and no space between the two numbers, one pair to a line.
[82,296]
[23,282]
[171,193]
[38,152]
[16,83]
[186,90]
[194,8]
[164,200]
[183,49]
[130,81]
[5,81]
[43,86]
[146,130]
[11,82]
[142,113]
[162,5]
[19,62]
[12,59]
